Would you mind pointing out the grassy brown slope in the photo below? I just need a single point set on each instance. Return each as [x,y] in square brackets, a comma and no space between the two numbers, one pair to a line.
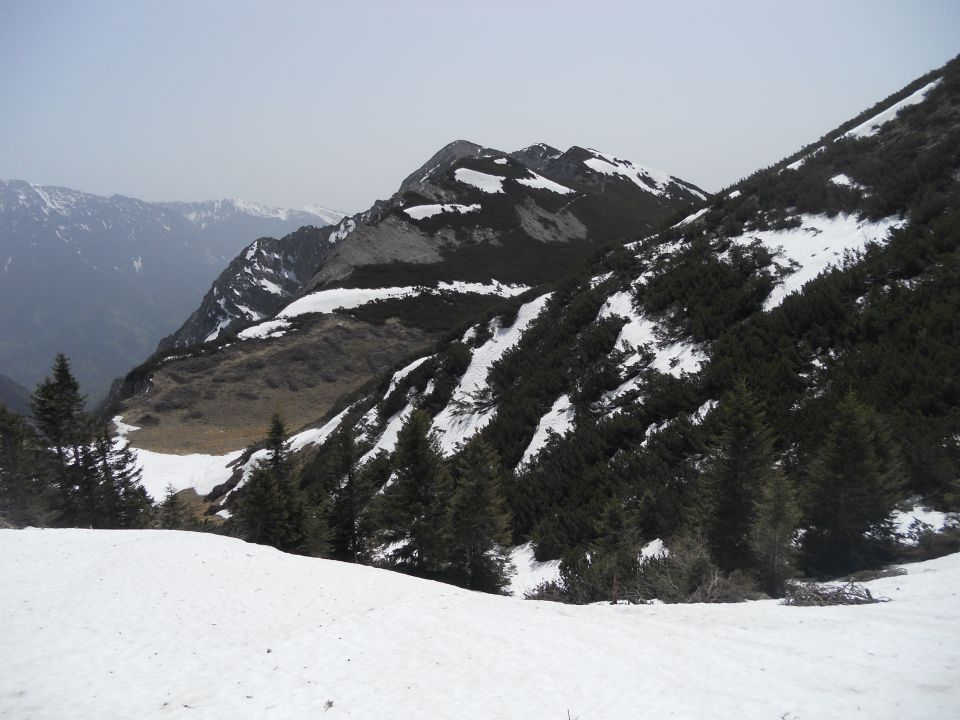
[221,402]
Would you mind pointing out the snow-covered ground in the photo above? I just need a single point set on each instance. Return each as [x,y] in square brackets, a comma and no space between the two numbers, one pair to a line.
[159,624]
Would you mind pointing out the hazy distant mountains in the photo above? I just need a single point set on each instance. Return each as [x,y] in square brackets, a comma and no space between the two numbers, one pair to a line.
[104,278]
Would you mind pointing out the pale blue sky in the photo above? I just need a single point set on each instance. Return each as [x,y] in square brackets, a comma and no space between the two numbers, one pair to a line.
[293,102]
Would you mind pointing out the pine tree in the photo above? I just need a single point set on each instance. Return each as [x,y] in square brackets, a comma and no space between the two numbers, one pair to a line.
[273,510]
[25,493]
[57,407]
[111,494]
[478,522]
[776,518]
[352,492]
[413,507]
[852,489]
[741,462]
[173,511]
[261,513]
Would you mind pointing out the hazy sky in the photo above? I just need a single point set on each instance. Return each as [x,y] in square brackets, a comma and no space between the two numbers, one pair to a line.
[292,102]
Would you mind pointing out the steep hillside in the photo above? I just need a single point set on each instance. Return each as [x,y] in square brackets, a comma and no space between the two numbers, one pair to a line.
[14,396]
[464,234]
[165,624]
[810,307]
[102,279]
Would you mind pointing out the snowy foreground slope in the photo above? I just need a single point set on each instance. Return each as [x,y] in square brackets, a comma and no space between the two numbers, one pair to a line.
[121,624]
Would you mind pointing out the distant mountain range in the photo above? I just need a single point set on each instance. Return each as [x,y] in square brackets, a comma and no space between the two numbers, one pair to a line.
[102,279]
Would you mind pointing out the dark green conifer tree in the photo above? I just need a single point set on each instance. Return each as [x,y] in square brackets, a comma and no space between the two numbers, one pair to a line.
[741,462]
[26,497]
[111,495]
[173,511]
[352,491]
[273,510]
[775,521]
[413,507]
[57,407]
[851,492]
[478,521]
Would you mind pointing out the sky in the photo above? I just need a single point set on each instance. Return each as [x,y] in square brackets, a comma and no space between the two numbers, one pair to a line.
[297,102]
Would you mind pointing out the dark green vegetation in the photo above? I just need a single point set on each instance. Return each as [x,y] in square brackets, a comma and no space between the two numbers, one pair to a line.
[410,510]
[65,468]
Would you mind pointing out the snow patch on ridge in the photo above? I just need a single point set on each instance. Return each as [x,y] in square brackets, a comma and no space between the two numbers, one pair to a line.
[541,183]
[872,126]
[421,212]
[326,301]
[479,180]
[648,179]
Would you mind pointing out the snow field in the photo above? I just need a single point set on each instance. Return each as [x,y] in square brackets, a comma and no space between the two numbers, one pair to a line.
[162,624]
[530,573]
[268,329]
[204,472]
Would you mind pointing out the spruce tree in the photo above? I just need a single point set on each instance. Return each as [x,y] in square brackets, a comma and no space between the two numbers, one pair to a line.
[273,510]
[25,493]
[853,486]
[111,495]
[775,521]
[173,511]
[741,462]
[352,491]
[478,522]
[413,507]
[57,407]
